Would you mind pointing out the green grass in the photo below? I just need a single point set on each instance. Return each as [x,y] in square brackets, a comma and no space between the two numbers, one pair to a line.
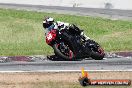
[21,32]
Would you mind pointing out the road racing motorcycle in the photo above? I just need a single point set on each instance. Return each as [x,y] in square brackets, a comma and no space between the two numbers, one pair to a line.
[70,45]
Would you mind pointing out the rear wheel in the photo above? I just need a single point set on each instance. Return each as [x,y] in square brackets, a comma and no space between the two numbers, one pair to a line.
[63,50]
[98,55]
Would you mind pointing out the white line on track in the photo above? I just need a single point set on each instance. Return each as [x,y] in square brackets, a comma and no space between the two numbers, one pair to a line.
[66,71]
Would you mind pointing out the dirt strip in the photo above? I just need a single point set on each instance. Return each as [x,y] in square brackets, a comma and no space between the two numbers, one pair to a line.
[28,80]
[44,57]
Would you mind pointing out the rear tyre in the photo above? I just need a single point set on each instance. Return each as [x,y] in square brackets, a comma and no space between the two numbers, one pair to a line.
[98,55]
[66,56]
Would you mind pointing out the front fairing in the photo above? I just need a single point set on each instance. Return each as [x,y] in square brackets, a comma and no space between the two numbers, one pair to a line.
[51,37]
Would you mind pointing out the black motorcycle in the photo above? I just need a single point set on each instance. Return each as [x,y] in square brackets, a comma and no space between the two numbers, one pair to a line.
[70,45]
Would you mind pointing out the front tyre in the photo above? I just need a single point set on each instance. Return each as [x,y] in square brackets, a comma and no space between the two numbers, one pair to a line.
[63,51]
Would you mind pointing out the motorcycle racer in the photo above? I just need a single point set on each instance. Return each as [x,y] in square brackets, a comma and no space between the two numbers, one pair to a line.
[78,44]
[49,24]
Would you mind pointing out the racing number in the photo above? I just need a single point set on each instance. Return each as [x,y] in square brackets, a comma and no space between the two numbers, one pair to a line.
[49,36]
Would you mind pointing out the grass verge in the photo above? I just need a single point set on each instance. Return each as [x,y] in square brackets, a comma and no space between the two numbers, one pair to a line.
[21,32]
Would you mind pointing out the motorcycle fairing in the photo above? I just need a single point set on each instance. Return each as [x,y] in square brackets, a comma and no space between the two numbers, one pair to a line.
[50,36]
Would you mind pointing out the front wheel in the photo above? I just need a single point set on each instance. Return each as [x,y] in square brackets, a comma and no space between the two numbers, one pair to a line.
[63,50]
[98,55]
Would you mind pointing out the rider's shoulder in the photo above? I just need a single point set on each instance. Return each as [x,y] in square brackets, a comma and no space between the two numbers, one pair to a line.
[59,23]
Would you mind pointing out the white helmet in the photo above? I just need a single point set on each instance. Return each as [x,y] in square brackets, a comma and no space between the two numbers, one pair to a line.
[47,22]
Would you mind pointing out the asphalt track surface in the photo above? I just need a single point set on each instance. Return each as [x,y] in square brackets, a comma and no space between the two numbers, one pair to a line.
[44,65]
[113,14]
[108,64]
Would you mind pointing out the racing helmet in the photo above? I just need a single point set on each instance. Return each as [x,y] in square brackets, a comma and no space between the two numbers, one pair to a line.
[47,22]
